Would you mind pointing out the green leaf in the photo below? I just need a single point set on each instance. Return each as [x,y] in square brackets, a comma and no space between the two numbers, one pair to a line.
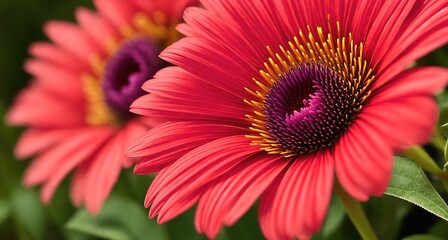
[333,221]
[247,227]
[335,215]
[410,183]
[28,213]
[120,219]
[182,227]
[5,210]
[421,237]
[69,234]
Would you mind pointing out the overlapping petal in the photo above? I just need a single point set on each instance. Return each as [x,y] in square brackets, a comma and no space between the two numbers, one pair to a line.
[296,202]
[236,193]
[191,172]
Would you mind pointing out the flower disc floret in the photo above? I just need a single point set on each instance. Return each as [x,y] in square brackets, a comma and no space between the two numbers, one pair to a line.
[308,93]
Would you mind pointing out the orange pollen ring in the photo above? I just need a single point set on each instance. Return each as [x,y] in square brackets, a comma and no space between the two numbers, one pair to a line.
[341,54]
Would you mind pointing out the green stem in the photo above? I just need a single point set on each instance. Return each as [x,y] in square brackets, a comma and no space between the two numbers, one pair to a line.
[438,143]
[438,140]
[445,185]
[419,156]
[356,214]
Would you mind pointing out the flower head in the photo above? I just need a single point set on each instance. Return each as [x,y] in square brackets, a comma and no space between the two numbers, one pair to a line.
[272,99]
[77,106]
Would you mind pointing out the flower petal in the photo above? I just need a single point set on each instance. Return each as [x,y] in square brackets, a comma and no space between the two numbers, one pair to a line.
[363,158]
[100,30]
[34,140]
[188,175]
[64,83]
[64,34]
[386,27]
[225,202]
[169,141]
[103,173]
[173,9]
[177,98]
[106,166]
[54,113]
[417,81]
[78,189]
[296,203]
[423,32]
[416,116]
[53,54]
[117,12]
[52,166]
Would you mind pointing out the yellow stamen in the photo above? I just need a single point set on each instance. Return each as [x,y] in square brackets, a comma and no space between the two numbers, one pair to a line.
[341,54]
[98,113]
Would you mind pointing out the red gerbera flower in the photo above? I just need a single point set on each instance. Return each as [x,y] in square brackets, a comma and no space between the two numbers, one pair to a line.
[77,106]
[271,99]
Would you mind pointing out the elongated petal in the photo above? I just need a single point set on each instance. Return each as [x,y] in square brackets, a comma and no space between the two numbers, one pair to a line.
[78,189]
[98,29]
[61,82]
[103,173]
[47,168]
[173,141]
[236,193]
[64,34]
[117,12]
[176,102]
[34,141]
[417,81]
[292,206]
[363,159]
[43,167]
[56,55]
[53,113]
[192,171]
[422,32]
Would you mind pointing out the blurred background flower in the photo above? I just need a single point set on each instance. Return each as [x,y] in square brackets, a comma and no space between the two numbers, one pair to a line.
[77,106]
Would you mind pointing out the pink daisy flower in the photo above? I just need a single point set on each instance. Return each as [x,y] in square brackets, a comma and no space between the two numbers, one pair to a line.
[278,99]
[76,107]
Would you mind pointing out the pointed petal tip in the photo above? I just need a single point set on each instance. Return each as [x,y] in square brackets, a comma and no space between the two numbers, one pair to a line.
[45,197]
[152,214]
[54,25]
[20,153]
[30,180]
[134,149]
[12,116]
[94,208]
[139,170]
[81,12]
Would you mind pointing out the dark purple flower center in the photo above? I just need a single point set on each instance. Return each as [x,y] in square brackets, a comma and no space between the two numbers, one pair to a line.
[134,63]
[308,108]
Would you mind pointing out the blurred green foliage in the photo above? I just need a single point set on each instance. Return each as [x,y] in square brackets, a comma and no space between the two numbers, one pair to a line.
[22,216]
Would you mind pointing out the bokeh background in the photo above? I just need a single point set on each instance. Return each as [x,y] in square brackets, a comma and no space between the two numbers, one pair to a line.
[22,216]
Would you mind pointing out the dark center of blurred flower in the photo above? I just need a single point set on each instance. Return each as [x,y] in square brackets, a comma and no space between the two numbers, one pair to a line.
[308,108]
[134,63]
